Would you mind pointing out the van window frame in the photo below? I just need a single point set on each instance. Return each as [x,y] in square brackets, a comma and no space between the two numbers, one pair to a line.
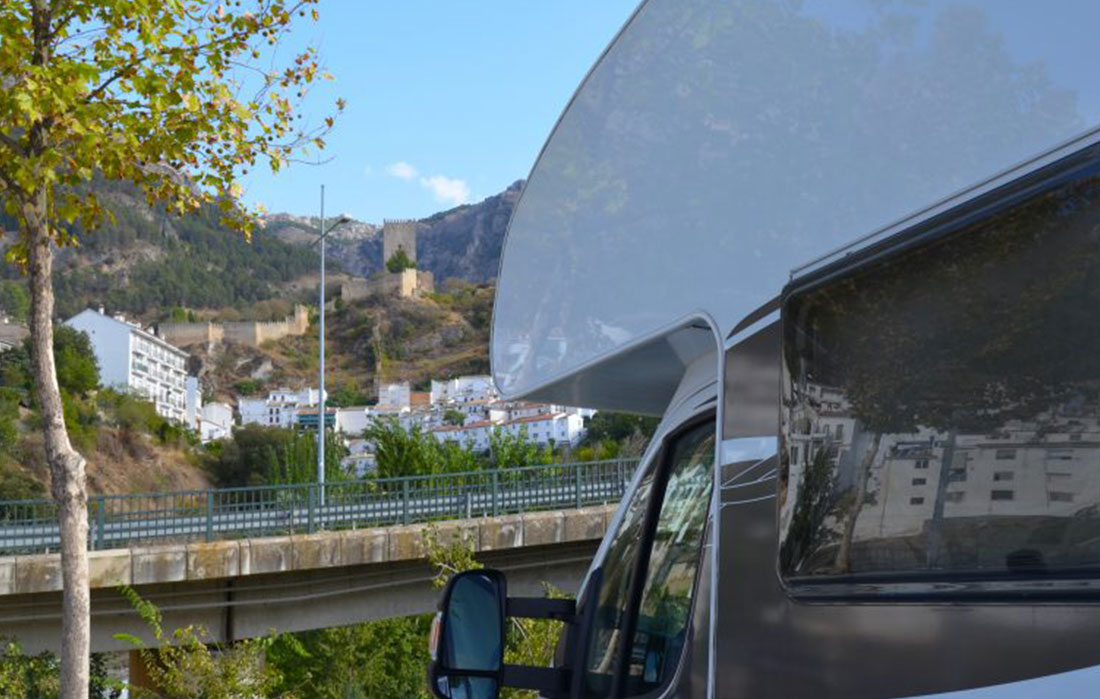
[661,464]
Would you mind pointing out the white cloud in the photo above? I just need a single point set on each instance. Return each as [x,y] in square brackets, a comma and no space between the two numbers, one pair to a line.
[448,190]
[401,170]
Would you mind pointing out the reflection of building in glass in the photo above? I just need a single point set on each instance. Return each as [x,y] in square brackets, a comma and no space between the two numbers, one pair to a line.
[1046,467]
[934,498]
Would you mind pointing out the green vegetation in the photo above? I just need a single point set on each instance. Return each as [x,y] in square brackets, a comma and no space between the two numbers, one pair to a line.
[348,394]
[384,658]
[193,262]
[611,435]
[27,676]
[187,664]
[257,455]
[399,261]
[248,387]
[473,301]
[88,410]
[454,417]
[77,377]
[14,301]
[414,452]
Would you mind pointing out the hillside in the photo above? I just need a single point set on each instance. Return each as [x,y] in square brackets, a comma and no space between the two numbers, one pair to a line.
[385,338]
[463,243]
[147,262]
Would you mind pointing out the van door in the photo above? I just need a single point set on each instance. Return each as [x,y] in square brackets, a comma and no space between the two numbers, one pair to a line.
[650,576]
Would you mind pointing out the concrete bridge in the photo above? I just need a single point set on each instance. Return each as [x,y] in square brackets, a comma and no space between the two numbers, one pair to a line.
[248,587]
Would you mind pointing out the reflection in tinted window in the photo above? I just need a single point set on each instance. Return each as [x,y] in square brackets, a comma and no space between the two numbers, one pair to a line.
[606,631]
[942,405]
[663,614]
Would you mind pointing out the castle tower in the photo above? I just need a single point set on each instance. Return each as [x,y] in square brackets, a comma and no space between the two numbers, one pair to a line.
[398,235]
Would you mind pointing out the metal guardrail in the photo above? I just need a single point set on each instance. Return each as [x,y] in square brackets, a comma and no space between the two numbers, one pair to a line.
[120,521]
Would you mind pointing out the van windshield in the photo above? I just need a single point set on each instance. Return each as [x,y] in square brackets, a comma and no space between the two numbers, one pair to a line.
[683,480]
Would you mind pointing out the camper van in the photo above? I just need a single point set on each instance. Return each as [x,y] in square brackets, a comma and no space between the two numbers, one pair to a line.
[849,251]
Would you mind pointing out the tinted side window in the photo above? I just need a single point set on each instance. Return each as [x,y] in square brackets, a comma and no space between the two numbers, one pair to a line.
[611,607]
[680,480]
[941,406]
[664,613]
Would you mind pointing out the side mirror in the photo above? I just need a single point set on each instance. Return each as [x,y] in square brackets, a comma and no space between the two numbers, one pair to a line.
[467,639]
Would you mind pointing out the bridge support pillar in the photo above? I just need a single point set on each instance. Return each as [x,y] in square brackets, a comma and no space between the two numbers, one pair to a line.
[139,672]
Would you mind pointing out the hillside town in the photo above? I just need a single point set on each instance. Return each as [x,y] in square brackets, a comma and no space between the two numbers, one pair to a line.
[465,410]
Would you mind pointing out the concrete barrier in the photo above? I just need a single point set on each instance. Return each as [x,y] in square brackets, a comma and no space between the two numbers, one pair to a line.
[218,560]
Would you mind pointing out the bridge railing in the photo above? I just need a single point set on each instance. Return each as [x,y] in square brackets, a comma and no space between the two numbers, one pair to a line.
[117,521]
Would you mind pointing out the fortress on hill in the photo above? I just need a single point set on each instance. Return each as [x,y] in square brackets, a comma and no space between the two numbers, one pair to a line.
[251,333]
[397,237]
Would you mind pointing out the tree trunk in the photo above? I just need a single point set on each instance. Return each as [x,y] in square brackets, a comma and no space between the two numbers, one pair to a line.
[843,562]
[66,465]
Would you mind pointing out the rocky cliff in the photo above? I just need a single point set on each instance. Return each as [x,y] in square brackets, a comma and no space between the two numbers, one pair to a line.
[463,242]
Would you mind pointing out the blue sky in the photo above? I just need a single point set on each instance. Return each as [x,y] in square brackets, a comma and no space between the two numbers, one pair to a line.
[448,100]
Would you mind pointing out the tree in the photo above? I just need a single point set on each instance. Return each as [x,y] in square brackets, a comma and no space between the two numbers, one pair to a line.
[167,95]
[399,261]
[528,642]
[509,450]
[14,300]
[188,664]
[384,658]
[260,455]
[77,366]
[455,417]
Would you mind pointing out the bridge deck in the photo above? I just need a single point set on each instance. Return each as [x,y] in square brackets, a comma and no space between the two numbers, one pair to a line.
[246,587]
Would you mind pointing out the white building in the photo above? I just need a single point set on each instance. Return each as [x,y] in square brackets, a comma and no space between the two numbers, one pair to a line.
[216,422]
[555,429]
[395,395]
[352,421]
[463,389]
[360,459]
[279,409]
[136,361]
[474,436]
[192,412]
[548,428]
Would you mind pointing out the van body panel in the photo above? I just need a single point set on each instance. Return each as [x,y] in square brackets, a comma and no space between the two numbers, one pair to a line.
[716,154]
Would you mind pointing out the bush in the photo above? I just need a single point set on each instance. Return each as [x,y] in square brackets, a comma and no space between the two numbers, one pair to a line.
[16,484]
[248,387]
[14,300]
[399,261]
[258,455]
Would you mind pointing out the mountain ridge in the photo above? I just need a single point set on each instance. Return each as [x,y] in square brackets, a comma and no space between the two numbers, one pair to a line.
[463,242]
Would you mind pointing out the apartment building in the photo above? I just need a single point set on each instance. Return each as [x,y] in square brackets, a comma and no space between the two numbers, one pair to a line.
[135,360]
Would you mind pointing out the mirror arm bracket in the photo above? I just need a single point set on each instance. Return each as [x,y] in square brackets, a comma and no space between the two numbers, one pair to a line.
[547,681]
[564,610]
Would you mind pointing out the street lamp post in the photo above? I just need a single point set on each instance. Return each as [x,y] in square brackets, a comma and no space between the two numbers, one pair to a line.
[321,353]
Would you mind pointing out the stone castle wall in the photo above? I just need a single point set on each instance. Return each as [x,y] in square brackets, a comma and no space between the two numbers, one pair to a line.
[405,284]
[251,333]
